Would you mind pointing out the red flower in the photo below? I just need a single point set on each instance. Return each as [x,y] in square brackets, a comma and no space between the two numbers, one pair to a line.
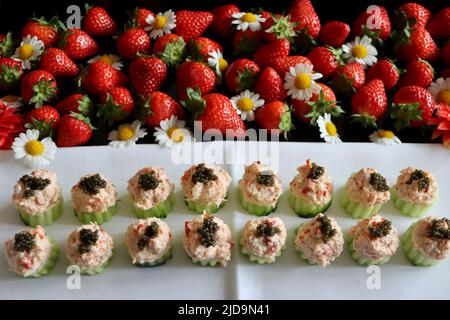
[442,122]
[11,124]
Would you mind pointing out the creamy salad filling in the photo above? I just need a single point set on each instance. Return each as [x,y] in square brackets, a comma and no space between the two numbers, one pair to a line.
[431,237]
[416,186]
[367,187]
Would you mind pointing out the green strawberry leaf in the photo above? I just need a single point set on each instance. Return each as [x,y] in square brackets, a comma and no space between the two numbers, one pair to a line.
[80,117]
[404,113]
[286,124]
[365,119]
[43,91]
[194,101]
[7,46]
[322,106]
[111,111]
[174,52]
[283,28]
[44,128]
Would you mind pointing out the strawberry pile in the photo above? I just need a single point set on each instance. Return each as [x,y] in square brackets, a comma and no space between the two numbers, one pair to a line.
[375,70]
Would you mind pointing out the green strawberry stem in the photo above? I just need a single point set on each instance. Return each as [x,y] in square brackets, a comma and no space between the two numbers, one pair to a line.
[286,124]
[111,111]
[194,101]
[283,28]
[80,117]
[44,128]
[173,52]
[365,119]
[43,91]
[404,113]
[85,105]
[322,106]
[7,46]
[10,75]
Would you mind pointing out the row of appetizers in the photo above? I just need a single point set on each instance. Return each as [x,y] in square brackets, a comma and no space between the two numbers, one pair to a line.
[208,241]
[94,198]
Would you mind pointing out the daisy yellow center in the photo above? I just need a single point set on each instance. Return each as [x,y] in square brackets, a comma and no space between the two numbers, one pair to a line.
[331,129]
[9,98]
[125,133]
[245,104]
[160,22]
[34,148]
[443,96]
[359,51]
[106,59]
[303,81]
[248,17]
[386,134]
[175,134]
[223,64]
[25,51]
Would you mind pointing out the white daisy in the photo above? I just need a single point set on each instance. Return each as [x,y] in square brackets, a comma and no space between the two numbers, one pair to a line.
[113,60]
[384,137]
[29,51]
[328,130]
[440,89]
[126,135]
[300,82]
[36,153]
[217,62]
[246,103]
[12,101]
[172,133]
[161,24]
[361,50]
[245,20]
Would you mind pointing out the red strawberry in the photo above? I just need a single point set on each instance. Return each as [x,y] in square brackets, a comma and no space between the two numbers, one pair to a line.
[45,119]
[57,62]
[6,45]
[439,25]
[280,27]
[222,19]
[77,103]
[46,31]
[159,106]
[446,53]
[37,87]
[349,78]
[270,86]
[269,52]
[334,33]
[282,65]
[74,130]
[10,73]
[99,77]
[194,75]
[241,75]
[370,103]
[116,104]
[139,17]
[132,42]
[418,73]
[78,44]
[374,22]
[412,106]
[98,23]
[418,45]
[246,42]
[413,14]
[11,125]
[325,60]
[192,24]
[170,48]
[200,48]
[386,71]
[302,12]
[276,117]
[147,74]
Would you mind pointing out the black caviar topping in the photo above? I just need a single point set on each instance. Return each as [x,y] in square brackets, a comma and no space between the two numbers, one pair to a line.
[440,229]
[423,181]
[24,241]
[266,229]
[152,231]
[315,172]
[92,184]
[203,174]
[208,232]
[326,229]
[378,182]
[88,238]
[32,184]
[380,229]
[149,181]
[266,178]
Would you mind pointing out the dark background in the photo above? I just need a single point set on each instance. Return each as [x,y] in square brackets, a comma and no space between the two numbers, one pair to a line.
[14,14]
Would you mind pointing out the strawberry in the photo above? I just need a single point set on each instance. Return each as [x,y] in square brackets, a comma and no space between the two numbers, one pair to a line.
[318,105]
[200,48]
[139,17]
[77,102]
[418,73]
[222,19]
[74,130]
[416,44]
[282,65]
[439,25]
[275,117]
[45,119]
[6,45]
[349,78]
[98,23]
[58,63]
[325,60]
[194,75]
[159,106]
[334,33]
[147,74]
[214,112]
[246,42]
[37,87]
[10,73]
[192,24]
[386,71]
[170,48]
[46,31]
[302,12]
[412,14]
[77,44]
[446,53]
[374,23]
[412,106]
[370,103]
[116,104]
[280,27]
[99,77]
[270,86]
[133,42]
[241,75]
[445,73]
[265,54]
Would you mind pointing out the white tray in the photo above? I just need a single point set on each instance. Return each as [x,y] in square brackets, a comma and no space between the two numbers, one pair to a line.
[288,278]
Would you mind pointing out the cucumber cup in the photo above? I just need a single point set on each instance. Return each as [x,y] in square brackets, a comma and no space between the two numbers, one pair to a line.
[98,217]
[44,218]
[364,261]
[413,255]
[200,207]
[357,210]
[255,209]
[304,209]
[410,209]
[159,211]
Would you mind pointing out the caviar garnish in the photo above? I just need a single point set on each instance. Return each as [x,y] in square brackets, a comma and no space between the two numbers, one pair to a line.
[88,238]
[326,229]
[440,229]
[24,241]
[380,229]
[315,172]
[152,231]
[92,184]
[203,174]
[378,182]
[266,179]
[208,232]
[149,181]
[32,184]
[423,181]
[266,229]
